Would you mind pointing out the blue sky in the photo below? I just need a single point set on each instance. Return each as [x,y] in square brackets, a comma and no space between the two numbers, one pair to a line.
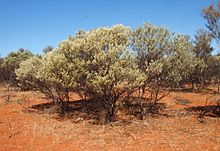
[34,24]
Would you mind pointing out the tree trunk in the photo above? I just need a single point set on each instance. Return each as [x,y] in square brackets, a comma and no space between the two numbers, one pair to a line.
[192,85]
[110,111]
[218,109]
[218,86]
[61,107]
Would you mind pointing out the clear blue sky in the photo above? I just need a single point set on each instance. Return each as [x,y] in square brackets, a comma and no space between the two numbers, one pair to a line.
[34,24]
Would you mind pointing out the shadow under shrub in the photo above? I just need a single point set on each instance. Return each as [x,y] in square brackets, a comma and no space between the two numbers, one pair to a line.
[92,110]
[208,110]
[80,109]
[141,107]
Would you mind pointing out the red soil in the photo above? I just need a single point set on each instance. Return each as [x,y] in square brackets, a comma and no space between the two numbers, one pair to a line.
[21,131]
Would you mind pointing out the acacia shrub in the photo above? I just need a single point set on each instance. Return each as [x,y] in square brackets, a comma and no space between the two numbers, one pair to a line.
[202,73]
[12,62]
[164,57]
[103,67]
[97,64]
[46,75]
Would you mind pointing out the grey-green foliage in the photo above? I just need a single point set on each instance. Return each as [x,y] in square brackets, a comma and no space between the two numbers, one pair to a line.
[203,41]
[105,64]
[103,67]
[12,62]
[216,70]
[202,73]
[185,60]
[164,57]
[13,59]
[96,63]
[1,70]
[47,75]
[27,74]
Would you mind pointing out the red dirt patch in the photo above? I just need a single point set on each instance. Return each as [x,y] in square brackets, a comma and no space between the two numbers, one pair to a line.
[22,131]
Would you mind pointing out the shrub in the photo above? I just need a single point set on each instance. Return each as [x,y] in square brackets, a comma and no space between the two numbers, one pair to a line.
[103,67]
[12,62]
[165,59]
[96,63]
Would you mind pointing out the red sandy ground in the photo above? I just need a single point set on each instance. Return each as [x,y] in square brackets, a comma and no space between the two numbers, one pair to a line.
[21,131]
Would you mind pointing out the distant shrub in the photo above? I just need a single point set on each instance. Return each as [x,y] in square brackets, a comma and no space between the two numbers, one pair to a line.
[12,62]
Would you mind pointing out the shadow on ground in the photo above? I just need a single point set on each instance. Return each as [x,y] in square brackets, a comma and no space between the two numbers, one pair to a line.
[76,110]
[208,110]
[92,110]
[142,107]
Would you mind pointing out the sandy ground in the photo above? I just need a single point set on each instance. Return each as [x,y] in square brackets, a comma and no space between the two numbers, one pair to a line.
[178,130]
